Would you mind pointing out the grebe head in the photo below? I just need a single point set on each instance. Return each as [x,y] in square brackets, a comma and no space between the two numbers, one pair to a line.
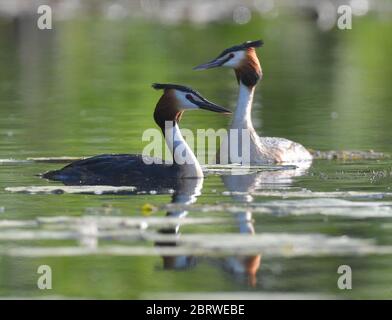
[176,99]
[242,58]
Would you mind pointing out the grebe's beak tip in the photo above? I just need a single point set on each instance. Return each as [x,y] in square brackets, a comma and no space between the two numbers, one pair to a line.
[200,67]
[212,64]
[206,105]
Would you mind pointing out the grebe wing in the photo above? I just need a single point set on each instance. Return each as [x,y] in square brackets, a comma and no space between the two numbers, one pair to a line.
[113,169]
[286,150]
[113,160]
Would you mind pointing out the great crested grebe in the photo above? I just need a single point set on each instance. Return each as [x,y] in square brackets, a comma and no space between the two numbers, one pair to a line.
[243,59]
[136,169]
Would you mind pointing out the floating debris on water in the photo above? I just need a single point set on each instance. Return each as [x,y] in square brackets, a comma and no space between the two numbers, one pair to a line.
[238,169]
[147,209]
[14,235]
[14,161]
[348,155]
[331,207]
[322,206]
[268,244]
[18,223]
[305,193]
[63,228]
[88,189]
[98,190]
[114,222]
[63,159]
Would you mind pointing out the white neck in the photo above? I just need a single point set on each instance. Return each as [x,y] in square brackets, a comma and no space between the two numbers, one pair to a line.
[242,116]
[182,153]
[187,192]
[245,223]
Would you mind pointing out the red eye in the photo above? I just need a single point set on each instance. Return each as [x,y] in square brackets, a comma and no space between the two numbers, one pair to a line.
[188,96]
[231,55]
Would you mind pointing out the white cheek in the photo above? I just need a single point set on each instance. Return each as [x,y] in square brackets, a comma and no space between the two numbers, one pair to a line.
[184,103]
[236,60]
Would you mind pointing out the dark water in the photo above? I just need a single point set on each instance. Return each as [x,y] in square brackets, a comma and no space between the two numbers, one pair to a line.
[84,89]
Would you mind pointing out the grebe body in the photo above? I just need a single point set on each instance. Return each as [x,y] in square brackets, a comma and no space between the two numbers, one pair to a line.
[136,169]
[243,59]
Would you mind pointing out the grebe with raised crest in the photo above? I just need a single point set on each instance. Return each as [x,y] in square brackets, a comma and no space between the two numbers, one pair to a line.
[243,59]
[136,169]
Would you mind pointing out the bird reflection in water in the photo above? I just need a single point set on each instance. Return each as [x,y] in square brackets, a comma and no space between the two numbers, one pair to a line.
[241,186]
[186,193]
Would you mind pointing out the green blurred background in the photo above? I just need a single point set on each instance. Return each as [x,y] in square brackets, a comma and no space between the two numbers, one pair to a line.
[84,87]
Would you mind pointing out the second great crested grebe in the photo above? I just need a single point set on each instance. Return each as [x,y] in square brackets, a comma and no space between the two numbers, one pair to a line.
[243,59]
[136,169]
